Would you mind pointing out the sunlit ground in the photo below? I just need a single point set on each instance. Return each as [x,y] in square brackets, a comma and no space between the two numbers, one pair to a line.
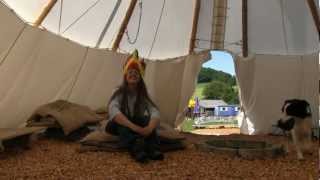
[217,131]
[219,127]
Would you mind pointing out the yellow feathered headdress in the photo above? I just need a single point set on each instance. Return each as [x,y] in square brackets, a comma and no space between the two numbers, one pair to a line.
[133,62]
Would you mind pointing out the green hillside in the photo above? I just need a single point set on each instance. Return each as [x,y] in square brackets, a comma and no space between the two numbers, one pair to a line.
[199,90]
[213,84]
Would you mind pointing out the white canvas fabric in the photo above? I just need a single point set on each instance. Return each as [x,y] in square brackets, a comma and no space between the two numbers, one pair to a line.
[220,25]
[27,10]
[99,76]
[266,81]
[171,84]
[171,38]
[9,32]
[204,28]
[34,73]
[288,30]
[233,32]
[169,42]
[42,67]
[37,66]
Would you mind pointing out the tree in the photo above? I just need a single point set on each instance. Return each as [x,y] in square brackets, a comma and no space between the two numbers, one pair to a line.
[214,90]
[208,75]
[205,75]
[220,90]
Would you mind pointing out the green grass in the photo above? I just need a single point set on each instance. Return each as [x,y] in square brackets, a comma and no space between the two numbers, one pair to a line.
[233,122]
[199,89]
[187,125]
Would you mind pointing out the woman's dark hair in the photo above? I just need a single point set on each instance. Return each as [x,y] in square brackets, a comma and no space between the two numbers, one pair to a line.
[142,97]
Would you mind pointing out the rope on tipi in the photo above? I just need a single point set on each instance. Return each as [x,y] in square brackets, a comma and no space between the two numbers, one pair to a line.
[157,29]
[139,24]
[226,43]
[78,73]
[84,13]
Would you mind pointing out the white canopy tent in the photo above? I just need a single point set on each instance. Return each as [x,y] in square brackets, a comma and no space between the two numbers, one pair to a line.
[38,66]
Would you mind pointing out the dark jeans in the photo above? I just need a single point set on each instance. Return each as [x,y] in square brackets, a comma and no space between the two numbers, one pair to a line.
[129,138]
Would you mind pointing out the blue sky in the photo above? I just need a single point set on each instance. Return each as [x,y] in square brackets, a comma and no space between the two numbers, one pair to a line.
[221,61]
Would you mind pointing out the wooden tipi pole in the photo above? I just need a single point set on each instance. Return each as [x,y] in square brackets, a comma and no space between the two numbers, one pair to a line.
[245,28]
[315,15]
[124,25]
[45,12]
[194,25]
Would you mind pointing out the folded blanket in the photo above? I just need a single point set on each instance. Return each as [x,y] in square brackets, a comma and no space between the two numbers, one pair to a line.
[61,113]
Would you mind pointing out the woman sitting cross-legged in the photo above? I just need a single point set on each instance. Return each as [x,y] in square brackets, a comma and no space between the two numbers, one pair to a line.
[132,114]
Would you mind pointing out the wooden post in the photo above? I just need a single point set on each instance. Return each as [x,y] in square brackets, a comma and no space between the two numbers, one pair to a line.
[45,12]
[245,28]
[315,15]
[124,25]
[194,25]
[219,17]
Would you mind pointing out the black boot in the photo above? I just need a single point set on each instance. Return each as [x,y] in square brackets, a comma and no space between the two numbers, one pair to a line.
[155,155]
[137,151]
[152,149]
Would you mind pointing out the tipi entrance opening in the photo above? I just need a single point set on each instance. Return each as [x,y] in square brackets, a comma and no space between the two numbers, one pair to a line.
[214,107]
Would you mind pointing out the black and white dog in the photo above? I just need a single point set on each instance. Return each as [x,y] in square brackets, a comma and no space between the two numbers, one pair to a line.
[297,121]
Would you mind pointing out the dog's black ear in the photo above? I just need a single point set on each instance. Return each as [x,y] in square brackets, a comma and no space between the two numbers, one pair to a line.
[297,107]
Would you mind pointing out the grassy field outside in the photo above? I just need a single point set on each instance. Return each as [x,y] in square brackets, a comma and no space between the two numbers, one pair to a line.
[199,89]
[233,123]
[187,125]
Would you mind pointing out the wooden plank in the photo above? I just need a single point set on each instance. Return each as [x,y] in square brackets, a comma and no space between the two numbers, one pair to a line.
[194,25]
[124,25]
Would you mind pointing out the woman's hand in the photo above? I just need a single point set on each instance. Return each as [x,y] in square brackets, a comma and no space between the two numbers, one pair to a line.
[123,120]
[153,123]
[146,131]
